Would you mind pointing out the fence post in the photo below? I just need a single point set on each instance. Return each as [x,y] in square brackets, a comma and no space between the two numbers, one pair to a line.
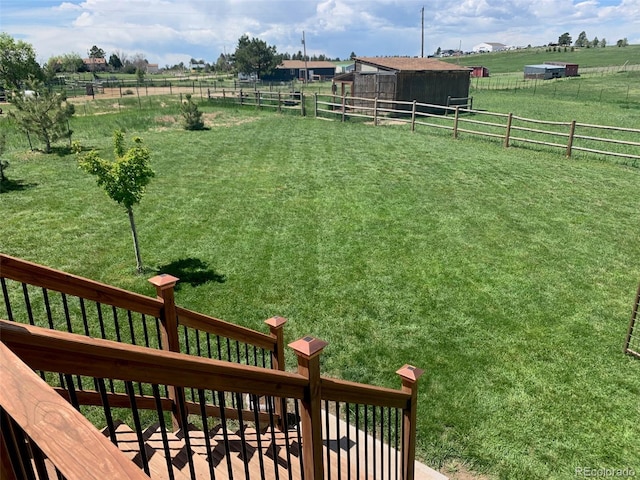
[276,330]
[302,112]
[308,350]
[315,105]
[344,106]
[507,134]
[455,121]
[409,376]
[413,116]
[572,131]
[375,111]
[165,284]
[279,102]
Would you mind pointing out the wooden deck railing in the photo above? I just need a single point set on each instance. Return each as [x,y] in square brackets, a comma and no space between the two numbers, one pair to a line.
[144,372]
[104,370]
[37,424]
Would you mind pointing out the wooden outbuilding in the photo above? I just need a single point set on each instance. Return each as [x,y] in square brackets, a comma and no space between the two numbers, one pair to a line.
[479,71]
[544,71]
[425,80]
[570,69]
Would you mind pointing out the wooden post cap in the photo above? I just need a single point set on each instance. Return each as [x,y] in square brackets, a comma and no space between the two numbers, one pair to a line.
[308,346]
[164,280]
[276,322]
[410,373]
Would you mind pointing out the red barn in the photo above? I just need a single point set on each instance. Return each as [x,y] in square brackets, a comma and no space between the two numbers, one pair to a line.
[479,72]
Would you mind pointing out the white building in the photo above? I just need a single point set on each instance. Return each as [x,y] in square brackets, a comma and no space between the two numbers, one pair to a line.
[489,47]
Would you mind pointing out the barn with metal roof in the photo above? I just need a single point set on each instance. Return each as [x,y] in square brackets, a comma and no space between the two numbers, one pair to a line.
[425,80]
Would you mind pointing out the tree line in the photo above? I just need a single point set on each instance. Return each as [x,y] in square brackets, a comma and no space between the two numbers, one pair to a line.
[583,41]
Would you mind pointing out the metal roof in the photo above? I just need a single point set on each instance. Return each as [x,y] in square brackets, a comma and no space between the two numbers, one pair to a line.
[411,64]
[302,64]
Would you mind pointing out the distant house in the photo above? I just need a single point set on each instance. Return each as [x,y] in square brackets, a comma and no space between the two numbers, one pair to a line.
[570,69]
[95,64]
[425,80]
[489,47]
[153,68]
[544,71]
[299,70]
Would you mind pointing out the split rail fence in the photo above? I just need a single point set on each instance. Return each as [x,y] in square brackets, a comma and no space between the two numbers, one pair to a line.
[511,129]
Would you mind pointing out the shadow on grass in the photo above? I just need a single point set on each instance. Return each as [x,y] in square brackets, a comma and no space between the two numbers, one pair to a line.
[7,185]
[192,271]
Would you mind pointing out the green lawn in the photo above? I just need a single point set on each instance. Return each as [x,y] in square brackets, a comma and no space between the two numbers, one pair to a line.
[508,275]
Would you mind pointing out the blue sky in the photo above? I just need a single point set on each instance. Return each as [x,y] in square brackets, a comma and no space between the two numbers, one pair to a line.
[169,31]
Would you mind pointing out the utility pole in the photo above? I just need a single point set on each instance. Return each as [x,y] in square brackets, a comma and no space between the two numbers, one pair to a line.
[304,46]
[422,49]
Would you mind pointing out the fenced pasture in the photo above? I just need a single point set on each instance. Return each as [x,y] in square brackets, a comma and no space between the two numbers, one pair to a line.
[506,273]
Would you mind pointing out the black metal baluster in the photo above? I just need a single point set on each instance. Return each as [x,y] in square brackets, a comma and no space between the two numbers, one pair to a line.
[348,421]
[238,352]
[397,437]
[107,410]
[225,433]
[243,443]
[47,308]
[389,441]
[7,302]
[255,356]
[136,422]
[228,350]
[256,418]
[17,446]
[65,306]
[272,426]
[131,329]
[327,451]
[158,334]
[27,302]
[145,330]
[205,429]
[338,439]
[198,349]
[297,412]
[219,347]
[208,344]
[163,431]
[116,323]
[73,399]
[246,354]
[373,444]
[188,351]
[285,422]
[366,442]
[358,442]
[85,322]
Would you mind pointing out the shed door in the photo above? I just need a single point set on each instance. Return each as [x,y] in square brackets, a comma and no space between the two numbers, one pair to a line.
[386,86]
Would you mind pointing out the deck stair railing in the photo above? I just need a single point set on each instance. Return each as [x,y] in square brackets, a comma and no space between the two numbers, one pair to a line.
[188,416]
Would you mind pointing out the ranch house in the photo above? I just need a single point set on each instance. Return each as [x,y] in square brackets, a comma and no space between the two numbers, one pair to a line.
[425,80]
[299,69]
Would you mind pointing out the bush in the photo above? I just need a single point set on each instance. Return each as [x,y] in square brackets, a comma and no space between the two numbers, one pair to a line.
[191,116]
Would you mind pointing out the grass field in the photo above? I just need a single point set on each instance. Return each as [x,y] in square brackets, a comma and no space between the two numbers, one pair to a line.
[508,275]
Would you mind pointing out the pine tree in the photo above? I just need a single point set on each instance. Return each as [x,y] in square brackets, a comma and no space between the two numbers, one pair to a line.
[42,113]
[191,116]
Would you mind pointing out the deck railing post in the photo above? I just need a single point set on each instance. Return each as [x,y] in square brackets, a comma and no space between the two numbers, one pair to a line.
[165,284]
[409,376]
[276,330]
[308,350]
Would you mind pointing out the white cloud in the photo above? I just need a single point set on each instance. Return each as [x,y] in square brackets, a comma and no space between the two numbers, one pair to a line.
[168,29]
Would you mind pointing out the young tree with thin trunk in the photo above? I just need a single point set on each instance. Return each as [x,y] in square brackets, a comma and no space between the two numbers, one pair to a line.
[124,179]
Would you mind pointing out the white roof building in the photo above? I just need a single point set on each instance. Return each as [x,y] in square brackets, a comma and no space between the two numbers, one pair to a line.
[489,47]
